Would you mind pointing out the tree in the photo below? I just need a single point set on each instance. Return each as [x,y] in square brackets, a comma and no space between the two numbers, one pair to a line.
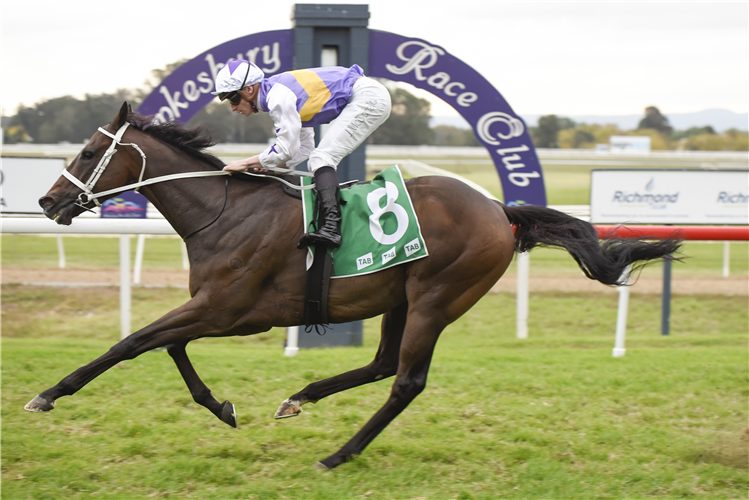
[446,135]
[408,123]
[226,126]
[655,120]
[565,123]
[581,137]
[546,134]
[683,134]
[66,119]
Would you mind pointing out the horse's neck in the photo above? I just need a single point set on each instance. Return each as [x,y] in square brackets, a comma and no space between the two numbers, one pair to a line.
[188,204]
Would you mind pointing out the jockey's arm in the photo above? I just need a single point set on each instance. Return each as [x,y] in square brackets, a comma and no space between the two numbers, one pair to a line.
[306,146]
[293,143]
[288,127]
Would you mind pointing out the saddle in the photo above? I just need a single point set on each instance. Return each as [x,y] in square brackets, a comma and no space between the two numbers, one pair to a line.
[381,231]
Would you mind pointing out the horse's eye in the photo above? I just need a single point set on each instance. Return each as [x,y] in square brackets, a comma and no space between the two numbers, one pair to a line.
[87,155]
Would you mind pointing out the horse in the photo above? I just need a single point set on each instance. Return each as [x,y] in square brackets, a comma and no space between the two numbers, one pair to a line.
[247,274]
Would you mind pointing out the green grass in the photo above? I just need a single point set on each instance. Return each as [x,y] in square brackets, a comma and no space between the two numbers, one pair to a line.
[554,416]
[88,252]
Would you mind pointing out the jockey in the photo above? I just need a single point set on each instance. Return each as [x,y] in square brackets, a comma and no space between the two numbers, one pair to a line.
[353,104]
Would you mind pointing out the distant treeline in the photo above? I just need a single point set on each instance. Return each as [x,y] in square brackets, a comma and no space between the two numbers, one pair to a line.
[559,132]
[67,119]
[72,120]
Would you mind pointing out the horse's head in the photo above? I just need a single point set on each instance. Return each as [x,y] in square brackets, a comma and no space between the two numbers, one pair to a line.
[95,169]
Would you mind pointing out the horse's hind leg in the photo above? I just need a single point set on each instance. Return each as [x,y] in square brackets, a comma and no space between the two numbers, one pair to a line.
[435,299]
[384,365]
[416,351]
[200,393]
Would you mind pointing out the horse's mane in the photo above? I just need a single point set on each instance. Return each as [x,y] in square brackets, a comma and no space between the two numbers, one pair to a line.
[190,141]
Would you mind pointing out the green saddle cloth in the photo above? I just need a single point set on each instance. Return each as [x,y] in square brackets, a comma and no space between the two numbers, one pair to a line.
[379,227]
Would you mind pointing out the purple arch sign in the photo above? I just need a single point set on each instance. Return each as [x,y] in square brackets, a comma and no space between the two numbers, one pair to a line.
[429,67]
[188,89]
[497,127]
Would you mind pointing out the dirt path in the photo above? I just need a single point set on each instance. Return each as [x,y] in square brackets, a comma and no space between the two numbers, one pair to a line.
[565,283]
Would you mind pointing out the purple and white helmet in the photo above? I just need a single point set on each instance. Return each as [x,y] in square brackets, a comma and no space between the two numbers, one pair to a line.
[236,75]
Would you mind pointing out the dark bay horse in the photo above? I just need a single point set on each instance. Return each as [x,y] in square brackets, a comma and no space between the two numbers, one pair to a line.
[247,275]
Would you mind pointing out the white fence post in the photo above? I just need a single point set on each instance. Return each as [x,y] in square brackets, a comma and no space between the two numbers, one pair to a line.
[621,317]
[125,299]
[185,259]
[138,258]
[292,341]
[726,258]
[521,328]
[60,252]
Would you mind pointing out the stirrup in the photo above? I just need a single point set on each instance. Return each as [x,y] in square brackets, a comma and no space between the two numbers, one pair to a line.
[333,239]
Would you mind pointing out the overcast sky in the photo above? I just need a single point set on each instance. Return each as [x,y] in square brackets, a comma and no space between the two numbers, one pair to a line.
[567,58]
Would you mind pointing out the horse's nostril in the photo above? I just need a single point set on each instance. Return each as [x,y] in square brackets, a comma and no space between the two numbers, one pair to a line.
[46,201]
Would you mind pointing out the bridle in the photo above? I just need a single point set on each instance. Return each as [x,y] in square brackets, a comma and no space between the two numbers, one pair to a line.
[87,196]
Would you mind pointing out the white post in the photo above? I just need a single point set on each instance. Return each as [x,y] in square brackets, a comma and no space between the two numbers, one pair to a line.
[621,318]
[522,295]
[60,252]
[125,298]
[138,258]
[185,260]
[726,258]
[292,341]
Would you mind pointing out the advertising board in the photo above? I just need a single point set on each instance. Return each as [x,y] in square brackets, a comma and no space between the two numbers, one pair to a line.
[23,180]
[127,205]
[629,144]
[669,196]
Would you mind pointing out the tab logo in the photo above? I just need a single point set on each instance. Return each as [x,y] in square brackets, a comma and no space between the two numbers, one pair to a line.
[388,256]
[412,247]
[364,261]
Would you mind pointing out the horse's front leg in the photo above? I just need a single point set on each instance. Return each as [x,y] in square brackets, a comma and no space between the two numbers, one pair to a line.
[187,322]
[200,392]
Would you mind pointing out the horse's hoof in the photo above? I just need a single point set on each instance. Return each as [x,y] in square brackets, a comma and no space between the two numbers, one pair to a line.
[39,404]
[331,462]
[229,414]
[288,409]
[321,466]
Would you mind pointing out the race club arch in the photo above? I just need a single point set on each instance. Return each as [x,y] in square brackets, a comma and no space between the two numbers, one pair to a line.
[426,66]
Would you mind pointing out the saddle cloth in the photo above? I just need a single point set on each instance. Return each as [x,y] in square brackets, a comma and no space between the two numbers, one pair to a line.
[379,227]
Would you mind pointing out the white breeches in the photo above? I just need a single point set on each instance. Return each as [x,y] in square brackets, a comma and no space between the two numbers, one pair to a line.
[367,109]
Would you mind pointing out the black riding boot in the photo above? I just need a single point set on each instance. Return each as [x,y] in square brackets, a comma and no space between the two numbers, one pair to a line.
[328,192]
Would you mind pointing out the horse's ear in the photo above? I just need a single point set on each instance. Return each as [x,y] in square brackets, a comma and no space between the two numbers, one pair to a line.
[119,120]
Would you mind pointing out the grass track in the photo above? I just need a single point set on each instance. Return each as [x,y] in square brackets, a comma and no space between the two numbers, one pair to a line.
[551,417]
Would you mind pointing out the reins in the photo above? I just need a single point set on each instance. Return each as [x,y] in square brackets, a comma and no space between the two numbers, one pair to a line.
[87,196]
[226,198]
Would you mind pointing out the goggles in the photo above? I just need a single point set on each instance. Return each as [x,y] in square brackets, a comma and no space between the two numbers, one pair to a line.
[233,97]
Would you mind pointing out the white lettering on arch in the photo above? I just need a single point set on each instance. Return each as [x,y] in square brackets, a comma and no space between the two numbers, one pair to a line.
[514,127]
[424,58]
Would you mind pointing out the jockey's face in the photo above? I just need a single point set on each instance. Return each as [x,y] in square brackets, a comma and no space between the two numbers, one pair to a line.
[245,106]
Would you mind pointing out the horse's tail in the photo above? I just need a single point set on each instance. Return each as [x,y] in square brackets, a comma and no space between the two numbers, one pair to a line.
[605,262]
